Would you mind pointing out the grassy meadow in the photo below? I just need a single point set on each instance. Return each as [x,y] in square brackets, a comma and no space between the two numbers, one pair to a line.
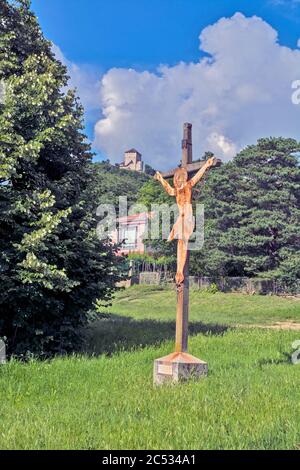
[158,303]
[250,400]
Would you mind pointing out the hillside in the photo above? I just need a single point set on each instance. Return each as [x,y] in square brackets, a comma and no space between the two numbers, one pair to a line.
[111,182]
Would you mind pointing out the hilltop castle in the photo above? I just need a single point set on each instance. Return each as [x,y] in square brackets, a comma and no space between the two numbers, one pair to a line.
[132,161]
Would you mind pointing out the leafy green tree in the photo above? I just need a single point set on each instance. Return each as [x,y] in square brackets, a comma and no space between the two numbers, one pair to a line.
[252,210]
[152,193]
[149,170]
[52,267]
[110,182]
[147,262]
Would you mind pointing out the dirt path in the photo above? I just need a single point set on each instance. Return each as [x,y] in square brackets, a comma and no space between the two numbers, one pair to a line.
[281,325]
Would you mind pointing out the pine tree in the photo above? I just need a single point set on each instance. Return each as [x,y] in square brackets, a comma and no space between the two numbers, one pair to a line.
[252,211]
[52,267]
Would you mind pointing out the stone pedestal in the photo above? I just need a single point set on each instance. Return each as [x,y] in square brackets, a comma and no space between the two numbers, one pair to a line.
[178,367]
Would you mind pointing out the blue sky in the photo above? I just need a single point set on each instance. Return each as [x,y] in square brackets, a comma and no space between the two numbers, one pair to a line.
[142,33]
[95,36]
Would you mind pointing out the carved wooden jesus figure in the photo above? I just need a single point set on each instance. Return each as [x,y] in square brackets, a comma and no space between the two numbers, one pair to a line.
[185,224]
[180,365]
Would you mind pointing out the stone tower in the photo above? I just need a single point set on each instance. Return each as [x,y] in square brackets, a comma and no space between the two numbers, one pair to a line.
[132,161]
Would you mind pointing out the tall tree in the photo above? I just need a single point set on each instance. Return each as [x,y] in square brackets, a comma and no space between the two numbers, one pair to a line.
[52,267]
[252,210]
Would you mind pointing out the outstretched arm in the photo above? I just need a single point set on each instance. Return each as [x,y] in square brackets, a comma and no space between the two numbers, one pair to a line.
[164,183]
[198,176]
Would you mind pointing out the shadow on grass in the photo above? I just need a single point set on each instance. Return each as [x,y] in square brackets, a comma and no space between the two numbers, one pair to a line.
[285,360]
[114,333]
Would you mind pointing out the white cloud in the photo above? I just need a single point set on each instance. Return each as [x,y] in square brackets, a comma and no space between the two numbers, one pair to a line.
[285,3]
[238,92]
[86,79]
[221,144]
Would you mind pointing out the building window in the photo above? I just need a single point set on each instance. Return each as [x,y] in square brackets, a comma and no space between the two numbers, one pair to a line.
[128,235]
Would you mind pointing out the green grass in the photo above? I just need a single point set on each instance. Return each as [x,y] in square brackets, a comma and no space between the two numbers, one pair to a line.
[145,316]
[250,399]
[155,303]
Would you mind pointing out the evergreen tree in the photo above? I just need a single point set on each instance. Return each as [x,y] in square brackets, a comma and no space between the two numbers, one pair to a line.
[52,267]
[252,211]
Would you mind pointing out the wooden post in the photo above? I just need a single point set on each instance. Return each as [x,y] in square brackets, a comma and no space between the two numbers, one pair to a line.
[187,146]
[182,317]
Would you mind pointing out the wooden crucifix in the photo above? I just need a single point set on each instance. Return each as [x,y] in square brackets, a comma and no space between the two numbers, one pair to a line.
[182,231]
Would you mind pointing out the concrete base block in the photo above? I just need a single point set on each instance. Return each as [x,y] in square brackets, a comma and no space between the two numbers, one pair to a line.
[178,367]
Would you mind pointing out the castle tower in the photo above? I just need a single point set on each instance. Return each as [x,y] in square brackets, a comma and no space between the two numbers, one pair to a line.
[132,161]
